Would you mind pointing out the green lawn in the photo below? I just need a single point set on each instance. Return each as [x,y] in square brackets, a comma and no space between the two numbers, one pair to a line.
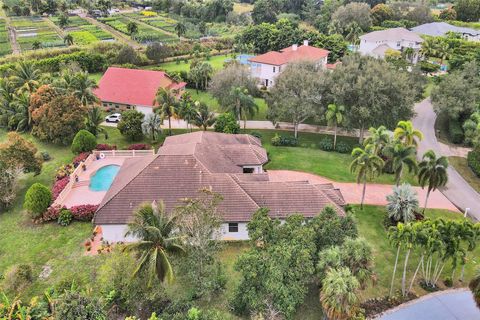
[174,66]
[460,164]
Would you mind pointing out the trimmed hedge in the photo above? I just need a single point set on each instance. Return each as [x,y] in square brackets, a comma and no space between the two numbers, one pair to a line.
[455,132]
[37,200]
[84,141]
[473,160]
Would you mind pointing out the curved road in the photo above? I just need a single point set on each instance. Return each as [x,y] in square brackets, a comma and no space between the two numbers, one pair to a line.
[457,190]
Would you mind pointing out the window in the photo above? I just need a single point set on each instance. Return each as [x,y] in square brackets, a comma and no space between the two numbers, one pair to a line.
[248,170]
[117,106]
[104,104]
[233,227]
[273,69]
[279,68]
[398,43]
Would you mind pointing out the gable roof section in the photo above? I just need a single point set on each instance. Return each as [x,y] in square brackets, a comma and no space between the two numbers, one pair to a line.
[393,34]
[277,58]
[133,86]
[438,29]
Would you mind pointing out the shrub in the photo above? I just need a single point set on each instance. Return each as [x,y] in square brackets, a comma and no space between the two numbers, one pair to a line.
[285,141]
[80,158]
[226,123]
[52,213]
[58,187]
[139,146]
[18,278]
[84,141]
[326,144]
[448,282]
[84,212]
[343,147]
[64,171]
[104,146]
[428,67]
[455,131]
[65,217]
[37,200]
[73,305]
[45,156]
[131,125]
[256,134]
[473,160]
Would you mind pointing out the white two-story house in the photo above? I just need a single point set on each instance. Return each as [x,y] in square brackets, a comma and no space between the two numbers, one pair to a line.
[266,67]
[377,43]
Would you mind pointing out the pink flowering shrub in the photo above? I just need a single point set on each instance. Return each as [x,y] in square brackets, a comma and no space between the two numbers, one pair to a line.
[58,187]
[84,212]
[81,157]
[104,146]
[52,213]
[139,146]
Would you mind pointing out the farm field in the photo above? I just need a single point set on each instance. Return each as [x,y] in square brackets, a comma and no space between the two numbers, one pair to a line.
[5,47]
[82,31]
[145,33]
[31,29]
[158,20]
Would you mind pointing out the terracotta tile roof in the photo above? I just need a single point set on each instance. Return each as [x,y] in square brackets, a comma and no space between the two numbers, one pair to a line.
[304,52]
[179,170]
[133,86]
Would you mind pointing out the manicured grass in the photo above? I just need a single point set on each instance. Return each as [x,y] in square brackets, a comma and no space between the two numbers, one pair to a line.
[460,164]
[215,61]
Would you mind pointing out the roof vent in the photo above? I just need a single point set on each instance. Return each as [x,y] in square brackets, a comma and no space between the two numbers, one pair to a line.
[305,43]
[294,47]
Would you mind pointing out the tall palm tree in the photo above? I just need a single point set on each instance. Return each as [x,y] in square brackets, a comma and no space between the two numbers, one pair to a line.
[367,165]
[68,39]
[335,116]
[379,138]
[407,134]
[186,109]
[408,236]
[21,103]
[167,105]
[395,238]
[152,125]
[428,48]
[94,120]
[25,76]
[83,88]
[180,29]
[338,294]
[155,231]
[244,104]
[442,51]
[432,173]
[204,118]
[474,286]
[401,156]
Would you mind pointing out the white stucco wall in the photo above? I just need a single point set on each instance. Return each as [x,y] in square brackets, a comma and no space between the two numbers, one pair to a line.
[366,47]
[145,110]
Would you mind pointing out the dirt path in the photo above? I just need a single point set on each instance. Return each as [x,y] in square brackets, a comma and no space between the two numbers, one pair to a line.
[12,35]
[60,31]
[117,34]
[153,27]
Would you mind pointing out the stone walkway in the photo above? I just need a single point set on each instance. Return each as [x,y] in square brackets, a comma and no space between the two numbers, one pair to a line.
[457,304]
[352,192]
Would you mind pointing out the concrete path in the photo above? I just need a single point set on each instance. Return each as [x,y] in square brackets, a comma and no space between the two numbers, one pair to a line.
[447,305]
[457,190]
[375,193]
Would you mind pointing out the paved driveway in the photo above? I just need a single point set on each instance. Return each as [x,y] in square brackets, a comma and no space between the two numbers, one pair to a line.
[457,189]
[451,305]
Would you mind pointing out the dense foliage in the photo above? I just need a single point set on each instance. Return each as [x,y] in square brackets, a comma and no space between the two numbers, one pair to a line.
[83,141]
[37,200]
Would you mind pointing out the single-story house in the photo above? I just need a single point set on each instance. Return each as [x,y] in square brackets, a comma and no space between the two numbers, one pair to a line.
[231,165]
[377,43]
[266,67]
[122,89]
[440,29]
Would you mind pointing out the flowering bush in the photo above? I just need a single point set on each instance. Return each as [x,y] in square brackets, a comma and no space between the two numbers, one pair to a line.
[58,186]
[64,171]
[52,213]
[81,157]
[84,212]
[139,146]
[104,146]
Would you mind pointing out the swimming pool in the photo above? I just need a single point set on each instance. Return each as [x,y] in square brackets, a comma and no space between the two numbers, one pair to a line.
[103,178]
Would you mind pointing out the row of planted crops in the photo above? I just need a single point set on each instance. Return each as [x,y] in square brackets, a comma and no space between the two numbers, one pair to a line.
[82,31]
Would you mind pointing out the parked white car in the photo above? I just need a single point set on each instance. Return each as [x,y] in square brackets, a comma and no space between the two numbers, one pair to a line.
[115,117]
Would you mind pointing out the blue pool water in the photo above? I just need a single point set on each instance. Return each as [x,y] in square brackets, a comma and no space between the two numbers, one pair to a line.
[103,178]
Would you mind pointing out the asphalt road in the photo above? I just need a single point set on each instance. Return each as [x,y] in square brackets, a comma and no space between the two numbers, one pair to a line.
[457,190]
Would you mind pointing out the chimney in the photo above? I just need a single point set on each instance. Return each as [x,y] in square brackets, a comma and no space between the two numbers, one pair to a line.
[305,43]
[294,47]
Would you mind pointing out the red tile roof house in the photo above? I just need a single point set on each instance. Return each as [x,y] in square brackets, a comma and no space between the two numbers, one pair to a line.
[231,165]
[122,89]
[266,67]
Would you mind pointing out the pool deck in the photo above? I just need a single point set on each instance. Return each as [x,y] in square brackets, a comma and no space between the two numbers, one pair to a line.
[81,193]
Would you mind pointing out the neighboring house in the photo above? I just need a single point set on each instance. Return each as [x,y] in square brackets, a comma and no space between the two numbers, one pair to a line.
[377,43]
[440,29]
[266,67]
[231,165]
[122,89]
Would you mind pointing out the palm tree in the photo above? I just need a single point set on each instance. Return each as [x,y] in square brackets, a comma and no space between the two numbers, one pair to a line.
[94,120]
[395,238]
[428,48]
[353,33]
[132,28]
[338,294]
[244,104]
[408,53]
[407,134]
[334,116]
[167,105]
[432,172]
[402,203]
[408,236]
[25,76]
[152,125]
[367,165]
[474,286]
[204,118]
[180,29]
[442,51]
[83,88]
[155,230]
[21,103]
[379,138]
[36,45]
[401,156]
[186,109]
[68,39]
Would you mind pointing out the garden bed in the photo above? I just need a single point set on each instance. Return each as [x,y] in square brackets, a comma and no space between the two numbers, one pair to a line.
[5,47]
[82,31]
[32,29]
